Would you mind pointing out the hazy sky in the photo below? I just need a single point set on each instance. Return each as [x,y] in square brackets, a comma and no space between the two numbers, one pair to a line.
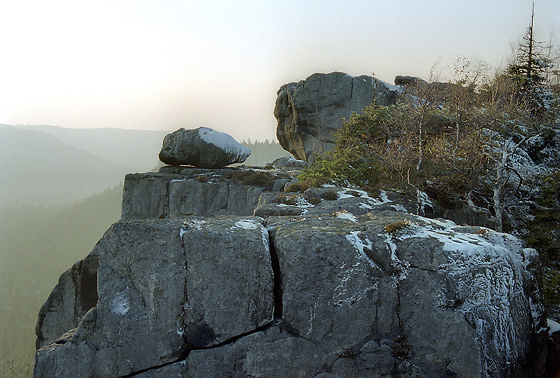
[166,64]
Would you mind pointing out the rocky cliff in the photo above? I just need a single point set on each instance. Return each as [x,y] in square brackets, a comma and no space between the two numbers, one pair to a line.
[332,283]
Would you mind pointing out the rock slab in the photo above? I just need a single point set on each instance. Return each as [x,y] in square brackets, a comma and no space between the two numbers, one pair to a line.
[202,147]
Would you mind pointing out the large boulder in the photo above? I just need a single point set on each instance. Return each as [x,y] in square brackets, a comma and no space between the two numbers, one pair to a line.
[202,147]
[310,112]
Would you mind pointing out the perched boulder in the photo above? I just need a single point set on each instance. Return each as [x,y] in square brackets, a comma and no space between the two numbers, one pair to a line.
[310,112]
[202,147]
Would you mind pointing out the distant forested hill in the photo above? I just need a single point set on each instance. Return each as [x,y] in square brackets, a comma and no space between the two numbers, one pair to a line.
[137,150]
[263,153]
[29,157]
[48,164]
[37,244]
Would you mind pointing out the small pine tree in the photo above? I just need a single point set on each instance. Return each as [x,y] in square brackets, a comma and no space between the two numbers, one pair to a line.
[530,64]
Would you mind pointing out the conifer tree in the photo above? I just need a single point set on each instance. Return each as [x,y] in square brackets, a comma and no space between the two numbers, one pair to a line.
[530,64]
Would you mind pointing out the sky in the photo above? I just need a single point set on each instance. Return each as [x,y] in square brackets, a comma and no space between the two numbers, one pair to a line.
[166,64]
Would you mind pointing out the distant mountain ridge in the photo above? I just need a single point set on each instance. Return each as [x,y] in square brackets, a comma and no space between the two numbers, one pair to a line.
[49,164]
[137,149]
[43,164]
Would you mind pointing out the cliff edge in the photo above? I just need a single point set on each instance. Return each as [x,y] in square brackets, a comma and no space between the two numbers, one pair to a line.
[334,283]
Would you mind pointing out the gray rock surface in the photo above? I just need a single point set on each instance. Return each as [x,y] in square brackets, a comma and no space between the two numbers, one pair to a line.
[289,162]
[182,191]
[353,286]
[73,296]
[310,112]
[202,147]
[165,286]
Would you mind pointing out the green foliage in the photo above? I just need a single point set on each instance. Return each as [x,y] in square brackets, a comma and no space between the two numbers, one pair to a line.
[543,232]
[381,149]
[551,287]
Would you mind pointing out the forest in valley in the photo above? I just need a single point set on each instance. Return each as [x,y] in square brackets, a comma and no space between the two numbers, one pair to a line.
[37,244]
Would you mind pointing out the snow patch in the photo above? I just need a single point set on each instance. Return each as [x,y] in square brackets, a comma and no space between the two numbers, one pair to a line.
[553,326]
[224,142]
[120,303]
[247,224]
[343,214]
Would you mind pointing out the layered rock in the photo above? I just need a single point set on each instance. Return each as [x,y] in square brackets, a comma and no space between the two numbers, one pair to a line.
[202,147]
[178,191]
[350,286]
[310,112]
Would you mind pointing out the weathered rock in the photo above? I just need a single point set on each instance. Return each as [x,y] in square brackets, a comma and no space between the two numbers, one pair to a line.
[73,296]
[189,191]
[331,201]
[229,279]
[165,285]
[202,147]
[408,80]
[271,353]
[349,286]
[141,288]
[421,283]
[310,112]
[289,162]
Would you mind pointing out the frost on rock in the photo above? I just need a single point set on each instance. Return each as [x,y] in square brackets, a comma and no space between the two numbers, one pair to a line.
[360,246]
[369,203]
[224,142]
[253,224]
[246,224]
[486,272]
[343,214]
[553,326]
[423,201]
[120,303]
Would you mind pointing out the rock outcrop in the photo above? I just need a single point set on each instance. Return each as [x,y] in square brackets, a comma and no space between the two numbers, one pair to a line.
[346,285]
[310,112]
[203,148]
[180,191]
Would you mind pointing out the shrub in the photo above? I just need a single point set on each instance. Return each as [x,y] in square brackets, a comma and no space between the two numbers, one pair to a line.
[286,199]
[330,195]
[250,177]
[398,227]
